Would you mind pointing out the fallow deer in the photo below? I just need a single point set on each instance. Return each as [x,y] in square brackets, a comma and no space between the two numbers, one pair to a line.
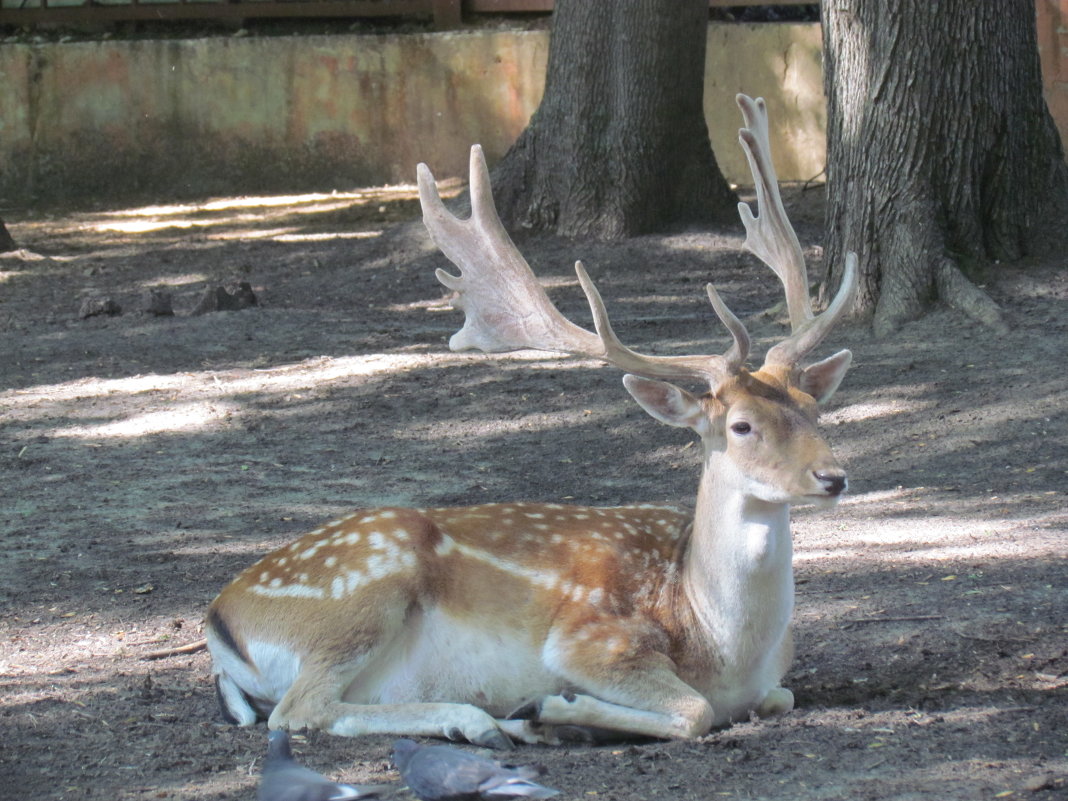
[527,621]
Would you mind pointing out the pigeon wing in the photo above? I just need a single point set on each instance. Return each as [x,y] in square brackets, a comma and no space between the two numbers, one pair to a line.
[514,784]
[442,773]
[286,780]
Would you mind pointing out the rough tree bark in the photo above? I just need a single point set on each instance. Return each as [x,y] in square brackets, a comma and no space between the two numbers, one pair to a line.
[942,156]
[619,145]
[7,244]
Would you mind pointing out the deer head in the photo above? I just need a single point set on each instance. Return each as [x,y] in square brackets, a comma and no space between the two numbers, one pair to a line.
[762,421]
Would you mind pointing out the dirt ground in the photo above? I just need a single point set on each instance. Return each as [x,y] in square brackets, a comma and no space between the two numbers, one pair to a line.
[145,460]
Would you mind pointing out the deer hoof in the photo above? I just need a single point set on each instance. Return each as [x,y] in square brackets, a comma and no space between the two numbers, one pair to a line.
[531,710]
[495,739]
[777,702]
[576,735]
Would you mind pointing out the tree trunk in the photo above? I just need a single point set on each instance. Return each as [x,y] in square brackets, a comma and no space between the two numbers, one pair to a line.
[942,156]
[619,145]
[7,244]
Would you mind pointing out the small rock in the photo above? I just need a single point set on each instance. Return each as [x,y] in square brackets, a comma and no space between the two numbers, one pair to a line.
[233,298]
[1040,782]
[159,303]
[94,307]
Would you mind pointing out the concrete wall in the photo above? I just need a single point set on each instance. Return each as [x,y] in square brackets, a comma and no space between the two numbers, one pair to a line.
[224,115]
[1053,51]
[114,120]
[108,120]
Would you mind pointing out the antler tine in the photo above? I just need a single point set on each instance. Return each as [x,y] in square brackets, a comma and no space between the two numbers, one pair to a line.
[710,368]
[771,237]
[739,351]
[792,349]
[507,309]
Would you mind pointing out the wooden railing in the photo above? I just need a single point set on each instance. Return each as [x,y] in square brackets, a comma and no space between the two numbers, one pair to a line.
[444,14]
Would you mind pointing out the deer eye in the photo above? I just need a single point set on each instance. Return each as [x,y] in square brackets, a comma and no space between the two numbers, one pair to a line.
[741,427]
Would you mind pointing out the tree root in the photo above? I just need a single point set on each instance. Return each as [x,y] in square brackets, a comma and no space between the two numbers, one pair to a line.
[916,267]
[959,293]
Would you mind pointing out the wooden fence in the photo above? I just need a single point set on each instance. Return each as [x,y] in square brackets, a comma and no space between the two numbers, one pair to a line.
[443,14]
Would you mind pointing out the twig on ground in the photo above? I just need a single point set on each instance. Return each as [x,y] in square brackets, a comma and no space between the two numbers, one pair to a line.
[163,653]
[905,619]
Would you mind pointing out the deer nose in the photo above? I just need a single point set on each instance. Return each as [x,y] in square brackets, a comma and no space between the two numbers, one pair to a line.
[833,481]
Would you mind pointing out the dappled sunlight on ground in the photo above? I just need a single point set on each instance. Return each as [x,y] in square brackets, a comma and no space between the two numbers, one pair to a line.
[147,460]
[306,217]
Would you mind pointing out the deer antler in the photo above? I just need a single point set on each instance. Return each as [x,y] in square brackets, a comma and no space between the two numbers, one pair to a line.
[771,238]
[506,307]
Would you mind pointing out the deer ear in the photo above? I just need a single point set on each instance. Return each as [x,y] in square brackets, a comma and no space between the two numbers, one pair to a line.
[820,380]
[666,402]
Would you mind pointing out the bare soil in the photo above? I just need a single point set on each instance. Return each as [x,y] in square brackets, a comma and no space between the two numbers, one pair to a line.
[145,460]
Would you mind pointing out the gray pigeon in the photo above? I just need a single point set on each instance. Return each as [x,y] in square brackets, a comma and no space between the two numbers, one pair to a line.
[443,773]
[285,780]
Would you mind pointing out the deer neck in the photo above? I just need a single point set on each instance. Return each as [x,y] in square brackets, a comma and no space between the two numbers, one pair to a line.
[738,573]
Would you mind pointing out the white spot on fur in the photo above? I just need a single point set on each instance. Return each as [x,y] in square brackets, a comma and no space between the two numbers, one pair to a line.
[353,580]
[288,591]
[380,565]
[540,578]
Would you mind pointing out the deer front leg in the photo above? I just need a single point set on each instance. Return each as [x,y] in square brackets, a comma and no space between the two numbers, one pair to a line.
[315,701]
[688,716]
[779,700]
[625,683]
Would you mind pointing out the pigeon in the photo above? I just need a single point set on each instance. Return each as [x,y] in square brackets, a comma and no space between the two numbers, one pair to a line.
[444,773]
[285,780]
